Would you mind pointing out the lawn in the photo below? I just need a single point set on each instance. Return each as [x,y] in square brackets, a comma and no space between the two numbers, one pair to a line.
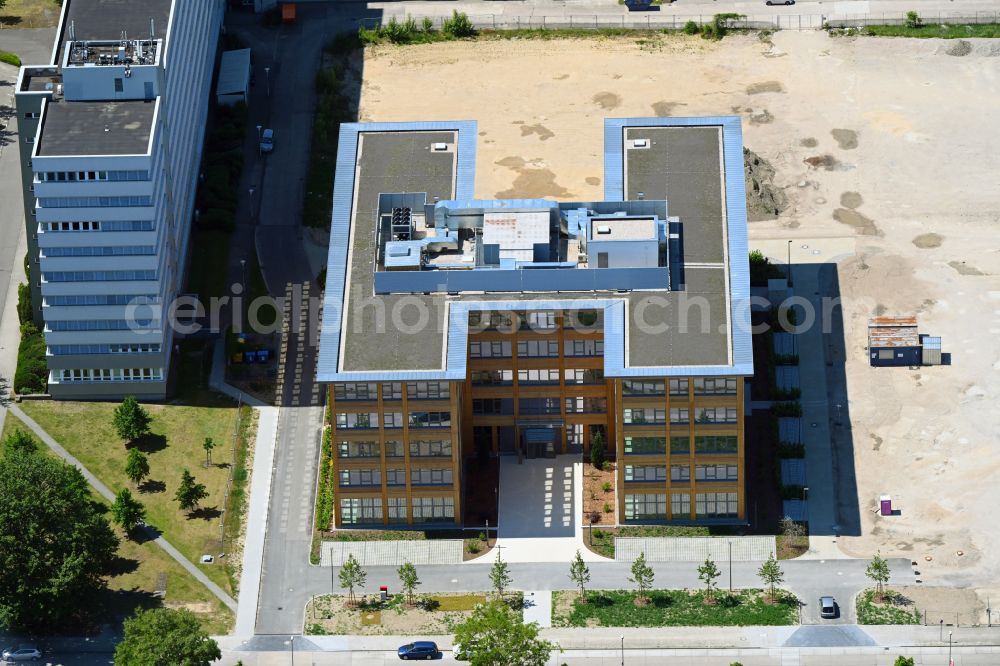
[475,543]
[30,13]
[430,615]
[938,30]
[887,612]
[602,541]
[672,608]
[209,264]
[175,443]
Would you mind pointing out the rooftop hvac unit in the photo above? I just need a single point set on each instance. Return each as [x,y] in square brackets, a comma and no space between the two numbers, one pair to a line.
[439,147]
[640,143]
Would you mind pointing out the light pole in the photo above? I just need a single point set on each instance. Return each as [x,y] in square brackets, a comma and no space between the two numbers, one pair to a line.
[292,638]
[789,263]
[730,567]
[623,650]
[243,270]
[259,127]
[251,201]
[950,662]
[267,74]
[805,493]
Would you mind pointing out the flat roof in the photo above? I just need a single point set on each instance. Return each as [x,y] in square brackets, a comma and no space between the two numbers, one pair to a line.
[619,228]
[106,19]
[893,332]
[234,72]
[96,128]
[701,329]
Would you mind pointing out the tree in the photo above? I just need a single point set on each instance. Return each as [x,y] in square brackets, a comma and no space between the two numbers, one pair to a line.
[408,579]
[189,493]
[19,440]
[913,20]
[351,576]
[878,573]
[792,529]
[500,575]
[771,574]
[458,25]
[597,449]
[903,661]
[136,466]
[126,511]
[579,573]
[56,547]
[208,445]
[708,573]
[130,420]
[495,636]
[642,576]
[165,636]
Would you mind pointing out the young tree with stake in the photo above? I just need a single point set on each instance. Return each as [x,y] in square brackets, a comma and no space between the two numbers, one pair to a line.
[579,573]
[642,576]
[208,445]
[771,574]
[708,573]
[500,576]
[352,576]
[878,573]
[408,579]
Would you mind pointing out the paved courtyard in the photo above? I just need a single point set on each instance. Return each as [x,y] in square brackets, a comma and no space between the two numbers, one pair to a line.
[695,549]
[386,553]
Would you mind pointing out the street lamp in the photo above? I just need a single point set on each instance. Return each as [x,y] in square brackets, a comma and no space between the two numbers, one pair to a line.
[251,201]
[805,493]
[267,74]
[243,269]
[789,263]
[950,661]
[292,638]
[259,127]
[623,650]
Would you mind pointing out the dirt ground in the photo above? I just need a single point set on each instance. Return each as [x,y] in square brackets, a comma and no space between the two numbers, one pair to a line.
[955,607]
[595,498]
[888,154]
[332,615]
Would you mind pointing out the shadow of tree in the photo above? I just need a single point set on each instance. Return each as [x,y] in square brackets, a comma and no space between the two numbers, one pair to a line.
[150,443]
[205,513]
[144,533]
[122,565]
[151,486]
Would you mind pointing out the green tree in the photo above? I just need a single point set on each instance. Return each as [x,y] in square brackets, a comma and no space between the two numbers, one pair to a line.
[165,636]
[771,574]
[495,636]
[189,492]
[903,661]
[130,420]
[56,547]
[458,25]
[126,511]
[708,573]
[579,573]
[136,466]
[913,20]
[878,573]
[19,440]
[642,576]
[351,576]
[408,579]
[500,575]
[597,449]
[208,445]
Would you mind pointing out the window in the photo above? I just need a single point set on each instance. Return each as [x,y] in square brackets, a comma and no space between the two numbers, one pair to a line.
[645,473]
[102,299]
[102,225]
[358,450]
[492,377]
[678,387]
[108,251]
[392,419]
[430,477]
[98,276]
[602,259]
[583,347]
[430,419]
[574,434]
[397,510]
[487,406]
[134,348]
[392,391]
[393,449]
[29,139]
[636,387]
[29,115]
[715,472]
[644,415]
[102,325]
[95,202]
[355,510]
[108,375]
[885,355]
[490,320]
[496,349]
[354,391]
[584,376]
[716,415]
[680,473]
[359,421]
[586,405]
[395,477]
[715,386]
[680,505]
[646,506]
[433,509]
[716,505]
[119,85]
[680,444]
[679,415]
[360,477]
[645,445]
[538,406]
[427,390]
[538,348]
[430,449]
[715,444]
[538,376]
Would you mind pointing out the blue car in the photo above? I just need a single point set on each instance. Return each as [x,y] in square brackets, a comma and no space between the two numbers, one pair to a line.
[419,650]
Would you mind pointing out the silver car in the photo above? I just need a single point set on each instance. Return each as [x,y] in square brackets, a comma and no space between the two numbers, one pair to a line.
[22,654]
[827,607]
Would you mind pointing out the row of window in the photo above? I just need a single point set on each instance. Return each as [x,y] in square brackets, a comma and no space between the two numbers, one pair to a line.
[702,386]
[369,420]
[391,391]
[535,348]
[704,444]
[102,324]
[681,473]
[657,416]
[486,320]
[102,225]
[395,477]
[100,251]
[110,374]
[653,506]
[61,350]
[102,299]
[98,276]
[536,406]
[95,202]
[77,176]
[394,449]
[362,510]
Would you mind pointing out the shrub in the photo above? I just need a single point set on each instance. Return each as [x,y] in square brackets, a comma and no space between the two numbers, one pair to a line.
[10,58]
[608,508]
[606,486]
[459,25]
[913,20]
[691,28]
[32,372]
[597,450]
[788,450]
[707,31]
[24,309]
[903,661]
[474,547]
[786,409]
[427,24]
[324,496]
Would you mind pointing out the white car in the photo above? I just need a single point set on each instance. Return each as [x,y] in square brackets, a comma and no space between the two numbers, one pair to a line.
[267,141]
[22,654]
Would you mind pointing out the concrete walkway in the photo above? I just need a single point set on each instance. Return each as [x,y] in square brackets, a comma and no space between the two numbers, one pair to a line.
[538,608]
[392,553]
[695,549]
[106,493]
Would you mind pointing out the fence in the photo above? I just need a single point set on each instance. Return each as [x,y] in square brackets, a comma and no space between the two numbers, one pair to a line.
[661,21]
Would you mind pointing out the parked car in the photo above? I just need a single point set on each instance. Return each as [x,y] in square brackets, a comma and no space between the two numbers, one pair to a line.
[641,6]
[827,607]
[419,650]
[22,654]
[779,2]
[267,141]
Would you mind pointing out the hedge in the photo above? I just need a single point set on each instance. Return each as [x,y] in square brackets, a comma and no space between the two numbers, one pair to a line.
[32,372]
[10,58]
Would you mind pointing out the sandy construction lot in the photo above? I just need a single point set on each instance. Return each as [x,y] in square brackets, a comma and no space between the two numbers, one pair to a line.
[906,189]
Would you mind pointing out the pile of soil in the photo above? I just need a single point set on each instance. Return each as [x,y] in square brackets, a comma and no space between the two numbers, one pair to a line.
[765,201]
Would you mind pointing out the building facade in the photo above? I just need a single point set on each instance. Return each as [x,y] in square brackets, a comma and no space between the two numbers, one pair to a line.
[456,329]
[112,131]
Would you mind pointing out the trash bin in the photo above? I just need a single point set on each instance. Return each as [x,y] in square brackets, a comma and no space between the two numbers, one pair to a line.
[885,505]
[384,591]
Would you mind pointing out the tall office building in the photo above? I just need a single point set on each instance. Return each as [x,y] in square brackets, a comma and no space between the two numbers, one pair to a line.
[111,138]
[456,328]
